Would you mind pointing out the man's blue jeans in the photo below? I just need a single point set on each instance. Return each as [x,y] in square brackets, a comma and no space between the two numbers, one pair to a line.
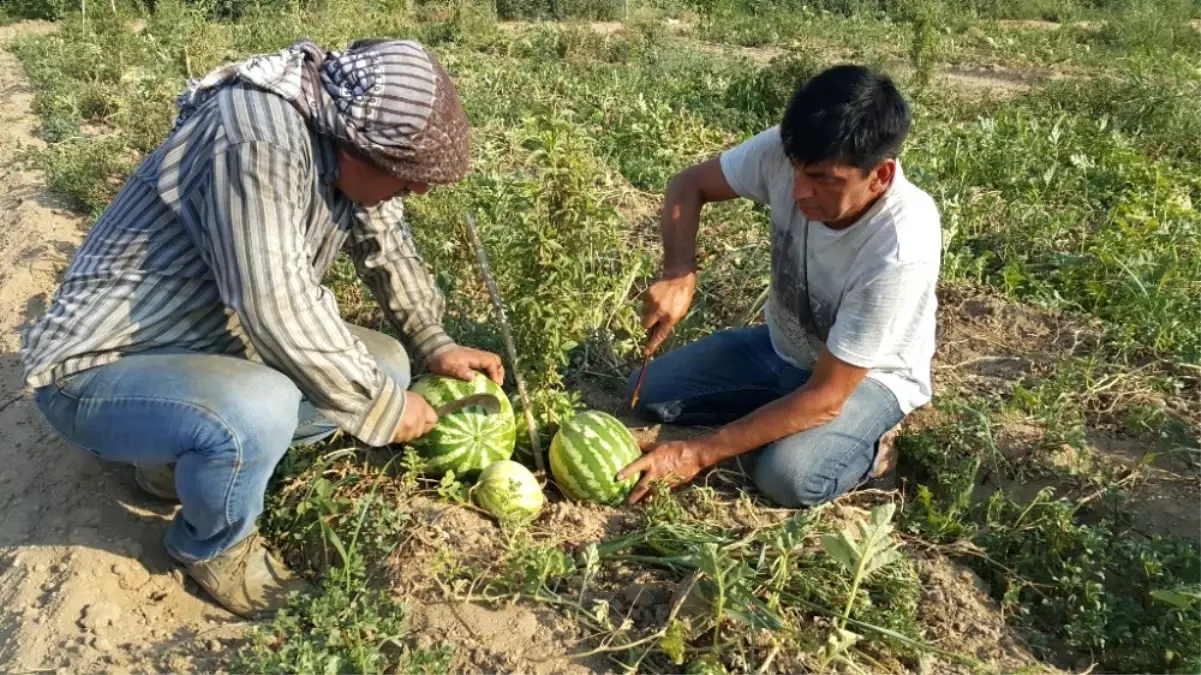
[224,421]
[727,375]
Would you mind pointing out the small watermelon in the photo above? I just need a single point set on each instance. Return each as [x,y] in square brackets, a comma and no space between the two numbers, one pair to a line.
[507,489]
[708,664]
[586,455]
[466,440]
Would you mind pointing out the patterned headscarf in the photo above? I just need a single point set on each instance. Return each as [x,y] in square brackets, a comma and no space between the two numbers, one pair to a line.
[388,99]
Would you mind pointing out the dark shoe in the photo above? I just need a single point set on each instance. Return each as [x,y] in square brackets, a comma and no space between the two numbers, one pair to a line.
[157,480]
[247,580]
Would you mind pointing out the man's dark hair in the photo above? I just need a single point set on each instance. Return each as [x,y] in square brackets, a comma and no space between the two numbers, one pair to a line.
[846,113]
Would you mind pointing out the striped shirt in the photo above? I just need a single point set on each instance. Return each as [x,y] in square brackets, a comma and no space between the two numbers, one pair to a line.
[218,244]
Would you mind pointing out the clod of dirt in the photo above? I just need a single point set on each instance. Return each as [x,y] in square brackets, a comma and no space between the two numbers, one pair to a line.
[130,576]
[101,645]
[99,615]
[688,597]
[508,639]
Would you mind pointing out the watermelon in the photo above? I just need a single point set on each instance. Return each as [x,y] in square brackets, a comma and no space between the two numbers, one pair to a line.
[466,440]
[587,453]
[708,664]
[507,489]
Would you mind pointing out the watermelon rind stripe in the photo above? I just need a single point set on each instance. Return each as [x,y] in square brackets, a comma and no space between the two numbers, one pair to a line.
[564,475]
[585,470]
[465,441]
[587,454]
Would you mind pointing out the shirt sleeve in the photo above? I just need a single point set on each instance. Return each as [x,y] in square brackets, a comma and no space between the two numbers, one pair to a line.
[386,258]
[754,166]
[252,239]
[880,312]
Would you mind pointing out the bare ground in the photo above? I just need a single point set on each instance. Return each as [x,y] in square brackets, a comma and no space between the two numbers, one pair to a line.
[987,344]
[85,585]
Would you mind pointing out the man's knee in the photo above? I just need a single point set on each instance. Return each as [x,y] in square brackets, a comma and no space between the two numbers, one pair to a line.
[791,479]
[260,410]
[652,405]
[388,353]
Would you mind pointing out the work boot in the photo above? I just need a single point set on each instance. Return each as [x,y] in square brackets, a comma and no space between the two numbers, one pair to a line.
[884,470]
[247,580]
[157,480]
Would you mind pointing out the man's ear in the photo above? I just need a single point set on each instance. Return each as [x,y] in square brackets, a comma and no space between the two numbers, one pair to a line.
[883,174]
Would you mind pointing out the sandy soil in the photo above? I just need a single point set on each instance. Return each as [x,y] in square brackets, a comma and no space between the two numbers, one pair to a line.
[85,585]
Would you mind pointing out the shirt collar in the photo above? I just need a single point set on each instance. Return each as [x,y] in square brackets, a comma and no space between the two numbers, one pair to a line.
[325,153]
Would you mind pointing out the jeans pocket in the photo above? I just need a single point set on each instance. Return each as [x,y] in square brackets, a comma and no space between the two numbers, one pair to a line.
[73,385]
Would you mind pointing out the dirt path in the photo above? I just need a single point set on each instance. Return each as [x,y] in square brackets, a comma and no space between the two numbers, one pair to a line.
[85,585]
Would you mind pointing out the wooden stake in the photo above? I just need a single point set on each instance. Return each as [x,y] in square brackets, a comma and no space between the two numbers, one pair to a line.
[498,306]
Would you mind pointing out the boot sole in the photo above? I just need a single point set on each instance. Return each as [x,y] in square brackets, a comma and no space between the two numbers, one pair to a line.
[154,491]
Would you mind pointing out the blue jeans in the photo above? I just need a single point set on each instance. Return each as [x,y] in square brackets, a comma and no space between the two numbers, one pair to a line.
[224,421]
[729,374]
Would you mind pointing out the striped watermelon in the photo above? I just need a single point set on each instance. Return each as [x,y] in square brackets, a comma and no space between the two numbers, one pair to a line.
[465,441]
[706,665]
[508,490]
[586,455]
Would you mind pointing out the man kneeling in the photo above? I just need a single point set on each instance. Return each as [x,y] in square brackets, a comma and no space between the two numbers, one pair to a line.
[846,347]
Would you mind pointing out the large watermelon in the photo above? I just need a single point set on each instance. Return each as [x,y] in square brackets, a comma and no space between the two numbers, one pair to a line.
[468,440]
[586,455]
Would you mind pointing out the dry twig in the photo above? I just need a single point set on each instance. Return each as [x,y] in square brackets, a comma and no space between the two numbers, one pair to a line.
[494,293]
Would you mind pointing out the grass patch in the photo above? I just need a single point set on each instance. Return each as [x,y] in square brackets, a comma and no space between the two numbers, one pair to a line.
[1070,573]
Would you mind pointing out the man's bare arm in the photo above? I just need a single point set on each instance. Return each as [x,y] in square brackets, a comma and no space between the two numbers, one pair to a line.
[668,299]
[687,192]
[817,402]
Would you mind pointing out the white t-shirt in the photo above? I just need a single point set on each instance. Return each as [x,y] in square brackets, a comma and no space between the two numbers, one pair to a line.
[871,286]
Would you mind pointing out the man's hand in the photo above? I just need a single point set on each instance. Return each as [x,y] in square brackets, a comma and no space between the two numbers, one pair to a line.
[418,419]
[668,300]
[463,362]
[664,305]
[677,462]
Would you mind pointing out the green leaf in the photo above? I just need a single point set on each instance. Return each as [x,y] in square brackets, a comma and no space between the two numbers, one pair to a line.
[839,641]
[591,558]
[600,612]
[335,541]
[882,558]
[842,548]
[1182,597]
